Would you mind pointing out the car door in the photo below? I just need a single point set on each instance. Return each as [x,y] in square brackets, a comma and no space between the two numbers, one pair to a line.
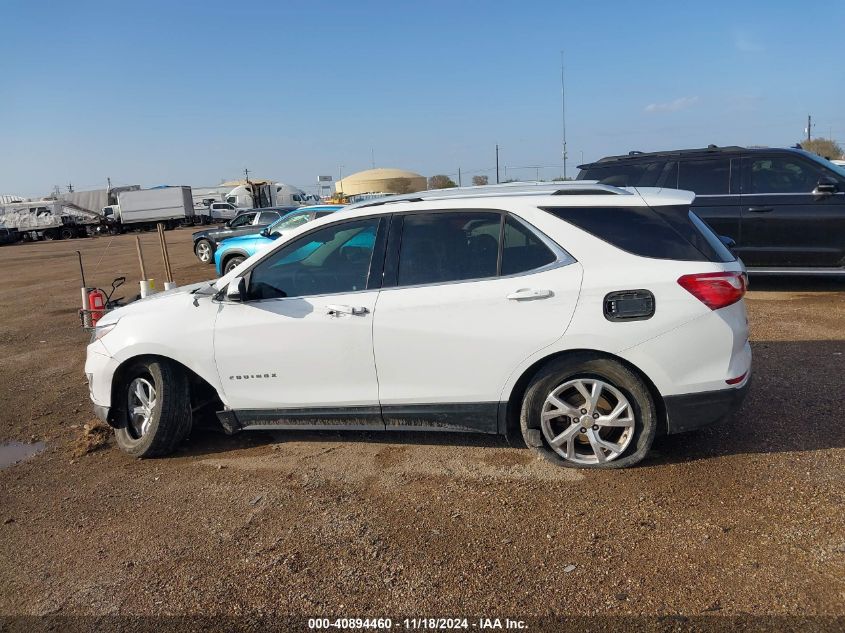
[786,224]
[716,183]
[457,314]
[297,351]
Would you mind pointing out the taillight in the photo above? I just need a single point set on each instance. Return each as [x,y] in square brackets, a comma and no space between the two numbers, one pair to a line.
[715,290]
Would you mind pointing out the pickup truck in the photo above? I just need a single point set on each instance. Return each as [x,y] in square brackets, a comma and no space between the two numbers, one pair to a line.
[249,222]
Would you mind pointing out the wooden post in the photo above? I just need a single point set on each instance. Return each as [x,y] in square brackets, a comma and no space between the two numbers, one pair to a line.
[141,258]
[165,256]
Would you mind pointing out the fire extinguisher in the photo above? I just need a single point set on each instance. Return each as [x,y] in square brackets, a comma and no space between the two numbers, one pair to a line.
[96,304]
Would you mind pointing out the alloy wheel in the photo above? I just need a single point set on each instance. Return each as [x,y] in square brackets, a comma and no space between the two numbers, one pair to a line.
[204,252]
[587,421]
[142,402]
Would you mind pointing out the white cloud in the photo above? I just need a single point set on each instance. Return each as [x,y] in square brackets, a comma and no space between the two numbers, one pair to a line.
[681,103]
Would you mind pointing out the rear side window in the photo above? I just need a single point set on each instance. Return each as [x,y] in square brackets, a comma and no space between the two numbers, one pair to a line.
[443,247]
[642,231]
[705,177]
[523,250]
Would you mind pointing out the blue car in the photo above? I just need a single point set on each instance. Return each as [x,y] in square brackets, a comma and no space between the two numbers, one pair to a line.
[234,250]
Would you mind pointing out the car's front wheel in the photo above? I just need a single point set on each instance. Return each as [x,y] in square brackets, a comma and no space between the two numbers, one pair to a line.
[232,263]
[204,251]
[156,408]
[588,412]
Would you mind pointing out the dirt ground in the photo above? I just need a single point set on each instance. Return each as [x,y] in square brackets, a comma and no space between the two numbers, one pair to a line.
[745,518]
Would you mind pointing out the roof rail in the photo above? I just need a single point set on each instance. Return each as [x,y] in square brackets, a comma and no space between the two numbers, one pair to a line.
[569,187]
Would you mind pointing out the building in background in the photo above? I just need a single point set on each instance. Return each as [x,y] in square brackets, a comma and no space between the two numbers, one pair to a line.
[381,181]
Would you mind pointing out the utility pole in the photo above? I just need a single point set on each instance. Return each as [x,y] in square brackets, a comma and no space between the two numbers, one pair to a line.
[497,163]
[70,187]
[246,175]
[563,112]
[109,181]
[459,177]
[809,126]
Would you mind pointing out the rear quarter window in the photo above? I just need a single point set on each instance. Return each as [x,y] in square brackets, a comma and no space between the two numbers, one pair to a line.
[658,233]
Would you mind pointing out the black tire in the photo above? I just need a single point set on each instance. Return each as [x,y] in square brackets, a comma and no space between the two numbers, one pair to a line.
[589,367]
[202,244]
[67,234]
[231,263]
[50,235]
[170,421]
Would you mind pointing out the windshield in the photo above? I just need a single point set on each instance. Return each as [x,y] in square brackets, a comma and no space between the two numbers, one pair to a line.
[288,222]
[839,169]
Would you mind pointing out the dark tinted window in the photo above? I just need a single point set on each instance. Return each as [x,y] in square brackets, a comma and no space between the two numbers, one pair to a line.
[523,250]
[783,175]
[442,247]
[669,177]
[637,230]
[330,260]
[709,176]
[624,174]
[695,231]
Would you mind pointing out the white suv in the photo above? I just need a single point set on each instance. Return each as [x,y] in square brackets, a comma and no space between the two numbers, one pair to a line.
[584,318]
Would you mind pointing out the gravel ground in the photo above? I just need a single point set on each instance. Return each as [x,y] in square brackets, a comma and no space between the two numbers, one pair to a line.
[742,519]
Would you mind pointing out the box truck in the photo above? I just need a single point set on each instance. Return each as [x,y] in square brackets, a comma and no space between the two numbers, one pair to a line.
[144,208]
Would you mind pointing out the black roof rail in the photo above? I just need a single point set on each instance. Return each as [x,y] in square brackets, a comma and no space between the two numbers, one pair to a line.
[637,155]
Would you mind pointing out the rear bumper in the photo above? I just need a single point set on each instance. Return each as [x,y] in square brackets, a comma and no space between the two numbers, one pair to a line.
[692,411]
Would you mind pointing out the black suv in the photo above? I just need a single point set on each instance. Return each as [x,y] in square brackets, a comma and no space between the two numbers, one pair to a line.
[249,222]
[784,208]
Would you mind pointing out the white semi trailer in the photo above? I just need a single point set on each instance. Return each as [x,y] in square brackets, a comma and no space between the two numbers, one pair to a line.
[48,219]
[144,208]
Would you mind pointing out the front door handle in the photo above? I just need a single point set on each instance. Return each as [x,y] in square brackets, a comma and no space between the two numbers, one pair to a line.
[760,209]
[527,294]
[337,310]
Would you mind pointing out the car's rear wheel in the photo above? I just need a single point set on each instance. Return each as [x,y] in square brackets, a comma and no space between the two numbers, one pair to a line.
[156,408]
[232,263]
[204,251]
[588,412]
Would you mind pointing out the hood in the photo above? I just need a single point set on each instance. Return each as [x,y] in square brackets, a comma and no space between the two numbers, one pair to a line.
[144,305]
[244,240]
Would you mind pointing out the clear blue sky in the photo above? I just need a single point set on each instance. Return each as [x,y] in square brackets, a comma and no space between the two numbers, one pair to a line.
[192,92]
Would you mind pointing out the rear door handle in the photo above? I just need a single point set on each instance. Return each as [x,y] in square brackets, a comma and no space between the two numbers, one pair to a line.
[526,294]
[337,310]
[760,209]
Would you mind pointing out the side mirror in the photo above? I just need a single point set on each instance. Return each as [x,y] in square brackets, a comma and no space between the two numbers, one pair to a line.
[265,232]
[236,290]
[728,241]
[825,187]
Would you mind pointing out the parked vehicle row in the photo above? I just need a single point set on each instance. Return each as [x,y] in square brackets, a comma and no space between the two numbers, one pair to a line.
[583,318]
[247,222]
[784,208]
[234,250]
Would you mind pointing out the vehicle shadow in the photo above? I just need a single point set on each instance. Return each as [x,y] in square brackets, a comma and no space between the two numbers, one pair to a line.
[794,404]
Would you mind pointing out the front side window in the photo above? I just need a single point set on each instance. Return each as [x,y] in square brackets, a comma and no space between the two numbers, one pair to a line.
[290,221]
[268,216]
[706,177]
[243,220]
[782,175]
[444,247]
[334,259]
